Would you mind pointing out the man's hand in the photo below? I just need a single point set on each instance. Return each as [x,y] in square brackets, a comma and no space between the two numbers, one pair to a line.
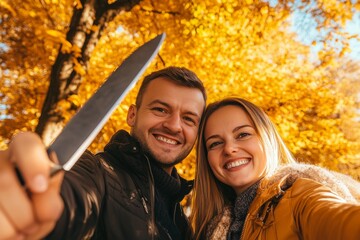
[30,211]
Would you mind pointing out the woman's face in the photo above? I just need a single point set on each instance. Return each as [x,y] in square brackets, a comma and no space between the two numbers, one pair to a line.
[235,153]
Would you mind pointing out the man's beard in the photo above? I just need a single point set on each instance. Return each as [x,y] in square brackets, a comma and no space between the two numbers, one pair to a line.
[149,153]
[155,158]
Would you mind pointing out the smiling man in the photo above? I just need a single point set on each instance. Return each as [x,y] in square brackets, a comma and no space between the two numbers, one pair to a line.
[131,190]
[166,120]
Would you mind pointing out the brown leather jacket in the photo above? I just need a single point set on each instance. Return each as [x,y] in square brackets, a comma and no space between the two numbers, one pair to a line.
[294,208]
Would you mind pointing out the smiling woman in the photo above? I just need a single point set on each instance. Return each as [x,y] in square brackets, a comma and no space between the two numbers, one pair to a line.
[257,189]
[234,149]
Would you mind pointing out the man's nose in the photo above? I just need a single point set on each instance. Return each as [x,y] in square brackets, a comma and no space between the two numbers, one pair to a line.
[173,123]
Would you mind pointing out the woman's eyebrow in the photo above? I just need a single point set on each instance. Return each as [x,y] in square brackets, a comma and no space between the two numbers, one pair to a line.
[233,131]
[241,126]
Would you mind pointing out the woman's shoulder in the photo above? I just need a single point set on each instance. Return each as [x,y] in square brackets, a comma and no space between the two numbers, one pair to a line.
[341,184]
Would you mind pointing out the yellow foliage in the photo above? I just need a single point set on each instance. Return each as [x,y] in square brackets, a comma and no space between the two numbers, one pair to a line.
[77,4]
[74,100]
[78,67]
[7,6]
[239,48]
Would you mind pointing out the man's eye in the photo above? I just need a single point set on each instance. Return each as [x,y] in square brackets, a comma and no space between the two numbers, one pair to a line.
[158,109]
[190,120]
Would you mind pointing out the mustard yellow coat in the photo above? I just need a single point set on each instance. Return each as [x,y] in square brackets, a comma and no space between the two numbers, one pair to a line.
[294,208]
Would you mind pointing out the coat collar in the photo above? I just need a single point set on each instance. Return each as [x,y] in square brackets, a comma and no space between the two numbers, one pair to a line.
[126,151]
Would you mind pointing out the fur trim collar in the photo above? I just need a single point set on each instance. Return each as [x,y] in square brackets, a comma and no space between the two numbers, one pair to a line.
[343,185]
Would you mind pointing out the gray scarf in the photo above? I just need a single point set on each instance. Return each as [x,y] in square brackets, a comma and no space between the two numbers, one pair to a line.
[241,208]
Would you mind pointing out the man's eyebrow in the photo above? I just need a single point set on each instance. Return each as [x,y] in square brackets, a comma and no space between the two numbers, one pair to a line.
[193,113]
[157,101]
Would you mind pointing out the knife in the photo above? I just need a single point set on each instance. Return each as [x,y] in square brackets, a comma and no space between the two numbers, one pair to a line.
[81,130]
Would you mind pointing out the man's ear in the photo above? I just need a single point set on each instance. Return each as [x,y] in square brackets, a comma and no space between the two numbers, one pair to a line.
[131,116]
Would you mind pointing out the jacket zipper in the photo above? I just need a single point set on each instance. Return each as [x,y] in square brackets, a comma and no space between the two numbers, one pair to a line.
[152,199]
[174,214]
[144,205]
[143,199]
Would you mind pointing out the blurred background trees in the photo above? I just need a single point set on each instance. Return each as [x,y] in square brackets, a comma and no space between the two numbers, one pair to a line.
[293,58]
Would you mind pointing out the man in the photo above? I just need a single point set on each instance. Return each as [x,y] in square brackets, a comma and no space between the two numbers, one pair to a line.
[131,190]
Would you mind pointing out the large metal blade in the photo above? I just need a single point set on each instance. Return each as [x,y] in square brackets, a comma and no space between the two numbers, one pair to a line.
[89,120]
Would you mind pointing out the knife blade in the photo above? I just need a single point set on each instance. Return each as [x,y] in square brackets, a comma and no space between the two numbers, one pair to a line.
[81,130]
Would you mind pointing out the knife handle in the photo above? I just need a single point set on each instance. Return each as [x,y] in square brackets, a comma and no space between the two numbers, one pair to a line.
[54,169]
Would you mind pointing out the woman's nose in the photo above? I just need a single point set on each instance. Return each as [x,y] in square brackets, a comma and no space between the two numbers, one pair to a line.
[230,147]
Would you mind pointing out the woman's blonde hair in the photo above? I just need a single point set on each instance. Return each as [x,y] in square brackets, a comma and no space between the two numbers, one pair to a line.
[210,195]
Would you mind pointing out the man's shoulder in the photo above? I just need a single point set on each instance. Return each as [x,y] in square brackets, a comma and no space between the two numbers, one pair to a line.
[118,172]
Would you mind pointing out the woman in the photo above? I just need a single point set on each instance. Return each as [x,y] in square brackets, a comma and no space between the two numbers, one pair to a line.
[248,185]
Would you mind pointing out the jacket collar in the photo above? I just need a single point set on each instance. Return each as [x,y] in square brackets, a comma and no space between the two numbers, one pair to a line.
[126,151]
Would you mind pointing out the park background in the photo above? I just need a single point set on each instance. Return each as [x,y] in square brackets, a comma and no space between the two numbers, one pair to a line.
[299,60]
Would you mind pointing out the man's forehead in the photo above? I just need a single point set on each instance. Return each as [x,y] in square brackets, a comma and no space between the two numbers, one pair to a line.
[167,87]
[163,91]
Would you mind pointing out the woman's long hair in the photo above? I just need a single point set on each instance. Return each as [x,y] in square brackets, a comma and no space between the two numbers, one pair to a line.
[210,195]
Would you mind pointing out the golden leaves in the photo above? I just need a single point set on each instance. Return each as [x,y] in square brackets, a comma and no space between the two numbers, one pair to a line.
[239,48]
[78,67]
[55,34]
[77,4]
[59,37]
[5,5]
[264,10]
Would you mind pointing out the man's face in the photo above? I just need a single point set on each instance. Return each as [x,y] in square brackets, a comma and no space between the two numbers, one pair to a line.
[167,121]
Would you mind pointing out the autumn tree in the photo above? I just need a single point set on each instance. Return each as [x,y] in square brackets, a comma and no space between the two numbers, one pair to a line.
[243,48]
[83,30]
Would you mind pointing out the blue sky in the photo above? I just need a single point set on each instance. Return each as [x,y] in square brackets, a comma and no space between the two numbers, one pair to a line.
[305,26]
[354,28]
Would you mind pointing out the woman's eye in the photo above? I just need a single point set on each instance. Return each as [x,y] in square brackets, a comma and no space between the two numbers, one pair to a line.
[243,135]
[213,145]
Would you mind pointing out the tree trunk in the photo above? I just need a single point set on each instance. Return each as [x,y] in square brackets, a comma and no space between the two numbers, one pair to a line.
[64,79]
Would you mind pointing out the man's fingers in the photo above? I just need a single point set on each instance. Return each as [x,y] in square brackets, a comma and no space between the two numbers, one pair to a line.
[26,210]
[7,229]
[44,230]
[14,201]
[28,153]
[49,205]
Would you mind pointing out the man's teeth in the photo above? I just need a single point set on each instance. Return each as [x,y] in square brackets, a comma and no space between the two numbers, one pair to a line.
[163,139]
[236,163]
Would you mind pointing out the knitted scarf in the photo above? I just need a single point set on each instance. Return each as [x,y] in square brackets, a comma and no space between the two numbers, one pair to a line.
[241,208]
[167,191]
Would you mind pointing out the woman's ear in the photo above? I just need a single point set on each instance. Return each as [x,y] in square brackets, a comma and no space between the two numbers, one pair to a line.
[131,116]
